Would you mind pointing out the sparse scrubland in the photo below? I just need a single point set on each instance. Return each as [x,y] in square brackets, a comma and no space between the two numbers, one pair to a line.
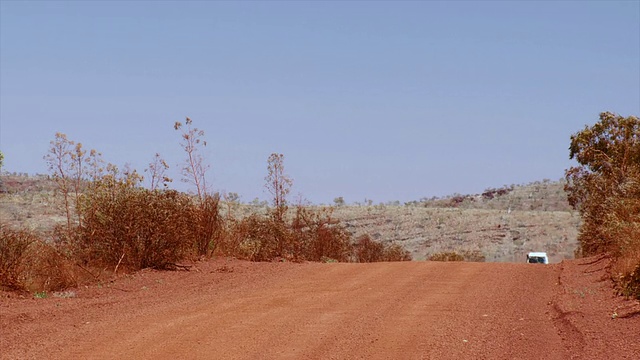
[88,220]
[103,220]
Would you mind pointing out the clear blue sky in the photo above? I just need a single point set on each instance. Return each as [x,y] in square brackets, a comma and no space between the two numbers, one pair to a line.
[378,100]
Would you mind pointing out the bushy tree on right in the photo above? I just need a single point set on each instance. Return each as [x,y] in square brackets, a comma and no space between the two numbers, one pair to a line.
[605,188]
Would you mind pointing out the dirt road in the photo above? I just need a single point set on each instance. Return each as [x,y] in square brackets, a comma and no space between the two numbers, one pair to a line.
[414,310]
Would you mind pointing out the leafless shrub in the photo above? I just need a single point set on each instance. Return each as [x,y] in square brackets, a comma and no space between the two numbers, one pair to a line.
[278,183]
[157,169]
[194,169]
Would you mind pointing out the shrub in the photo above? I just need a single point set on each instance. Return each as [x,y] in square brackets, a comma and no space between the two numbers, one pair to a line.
[14,246]
[396,252]
[310,236]
[319,236]
[465,255]
[628,281]
[473,256]
[605,188]
[28,263]
[367,250]
[208,229]
[625,268]
[138,228]
[257,238]
[50,269]
[446,256]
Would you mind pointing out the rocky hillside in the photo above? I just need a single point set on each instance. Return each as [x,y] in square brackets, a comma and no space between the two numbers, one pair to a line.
[503,224]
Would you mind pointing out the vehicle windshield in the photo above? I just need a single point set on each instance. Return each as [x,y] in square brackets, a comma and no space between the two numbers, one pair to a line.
[536,260]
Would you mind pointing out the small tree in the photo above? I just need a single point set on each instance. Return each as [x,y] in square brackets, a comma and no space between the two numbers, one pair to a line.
[194,169]
[278,183]
[71,168]
[339,201]
[608,177]
[58,160]
[231,199]
[157,169]
[605,188]
[207,216]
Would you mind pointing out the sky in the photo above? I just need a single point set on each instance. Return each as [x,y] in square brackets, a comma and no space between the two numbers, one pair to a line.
[366,100]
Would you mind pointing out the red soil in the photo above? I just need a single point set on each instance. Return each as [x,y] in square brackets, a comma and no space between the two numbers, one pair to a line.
[227,309]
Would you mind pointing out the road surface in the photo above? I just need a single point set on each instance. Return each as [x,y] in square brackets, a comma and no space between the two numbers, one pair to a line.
[229,309]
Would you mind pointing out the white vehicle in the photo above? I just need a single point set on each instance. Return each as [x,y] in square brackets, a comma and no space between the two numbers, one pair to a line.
[537,258]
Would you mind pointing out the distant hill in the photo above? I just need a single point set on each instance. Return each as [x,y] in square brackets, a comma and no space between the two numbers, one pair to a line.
[540,195]
[502,223]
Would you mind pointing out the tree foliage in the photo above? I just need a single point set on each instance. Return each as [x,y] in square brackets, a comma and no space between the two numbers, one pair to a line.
[605,188]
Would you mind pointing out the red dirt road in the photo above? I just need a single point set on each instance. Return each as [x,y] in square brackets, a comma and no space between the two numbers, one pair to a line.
[413,310]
